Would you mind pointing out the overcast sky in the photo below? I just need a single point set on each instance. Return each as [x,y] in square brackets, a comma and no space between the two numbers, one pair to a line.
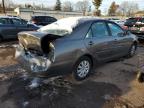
[105,4]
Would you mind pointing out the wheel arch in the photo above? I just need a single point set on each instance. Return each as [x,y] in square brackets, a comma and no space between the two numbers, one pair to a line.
[86,55]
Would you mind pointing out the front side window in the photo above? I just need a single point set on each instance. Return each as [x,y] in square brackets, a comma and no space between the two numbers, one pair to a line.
[89,34]
[115,29]
[99,29]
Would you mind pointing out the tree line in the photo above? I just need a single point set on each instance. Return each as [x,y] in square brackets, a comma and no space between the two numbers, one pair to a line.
[126,8]
[80,6]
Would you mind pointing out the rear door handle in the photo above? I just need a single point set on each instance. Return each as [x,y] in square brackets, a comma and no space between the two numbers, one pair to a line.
[90,43]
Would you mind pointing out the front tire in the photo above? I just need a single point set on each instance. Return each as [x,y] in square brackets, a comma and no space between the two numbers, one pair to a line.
[132,50]
[82,68]
[140,77]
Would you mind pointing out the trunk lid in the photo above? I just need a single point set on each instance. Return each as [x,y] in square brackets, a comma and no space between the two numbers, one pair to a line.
[36,42]
[31,40]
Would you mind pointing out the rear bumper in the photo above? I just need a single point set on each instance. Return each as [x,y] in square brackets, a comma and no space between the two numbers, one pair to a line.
[35,65]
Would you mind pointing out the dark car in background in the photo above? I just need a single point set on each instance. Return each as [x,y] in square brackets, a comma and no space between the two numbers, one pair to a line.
[73,45]
[136,26]
[11,26]
[42,20]
[131,21]
[118,21]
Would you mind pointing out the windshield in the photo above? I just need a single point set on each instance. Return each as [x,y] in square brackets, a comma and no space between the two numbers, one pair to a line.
[61,27]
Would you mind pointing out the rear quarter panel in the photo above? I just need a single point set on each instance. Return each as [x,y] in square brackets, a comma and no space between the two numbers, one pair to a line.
[69,49]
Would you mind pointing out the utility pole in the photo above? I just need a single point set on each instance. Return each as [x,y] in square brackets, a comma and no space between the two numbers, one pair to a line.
[3,3]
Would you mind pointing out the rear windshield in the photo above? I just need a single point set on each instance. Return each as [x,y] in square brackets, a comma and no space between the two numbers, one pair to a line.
[43,18]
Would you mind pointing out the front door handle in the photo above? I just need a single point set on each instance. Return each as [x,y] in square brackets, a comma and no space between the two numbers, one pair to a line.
[91,43]
[115,40]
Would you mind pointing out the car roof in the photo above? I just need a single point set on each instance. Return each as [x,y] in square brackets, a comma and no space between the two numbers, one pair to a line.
[9,17]
[41,16]
[89,19]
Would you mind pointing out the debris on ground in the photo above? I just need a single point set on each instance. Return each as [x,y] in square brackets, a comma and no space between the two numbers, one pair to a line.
[112,85]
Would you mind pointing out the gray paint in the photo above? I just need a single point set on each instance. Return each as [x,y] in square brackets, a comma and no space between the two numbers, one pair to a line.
[70,48]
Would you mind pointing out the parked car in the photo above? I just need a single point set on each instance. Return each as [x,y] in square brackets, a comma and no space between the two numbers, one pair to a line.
[73,45]
[118,21]
[138,30]
[136,26]
[42,20]
[10,26]
[132,21]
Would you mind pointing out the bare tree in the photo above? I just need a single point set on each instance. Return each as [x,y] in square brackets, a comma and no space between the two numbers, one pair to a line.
[97,4]
[8,3]
[3,3]
[82,6]
[112,9]
[58,5]
[128,8]
[67,6]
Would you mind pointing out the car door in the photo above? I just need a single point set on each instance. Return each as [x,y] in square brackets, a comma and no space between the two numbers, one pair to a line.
[7,29]
[20,25]
[99,42]
[122,42]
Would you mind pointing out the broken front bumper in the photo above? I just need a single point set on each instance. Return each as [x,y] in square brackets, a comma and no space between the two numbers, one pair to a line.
[32,62]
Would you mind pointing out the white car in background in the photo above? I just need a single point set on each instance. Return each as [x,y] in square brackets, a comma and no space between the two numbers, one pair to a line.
[118,21]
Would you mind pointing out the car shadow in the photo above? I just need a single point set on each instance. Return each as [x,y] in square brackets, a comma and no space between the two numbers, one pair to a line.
[59,94]
[9,42]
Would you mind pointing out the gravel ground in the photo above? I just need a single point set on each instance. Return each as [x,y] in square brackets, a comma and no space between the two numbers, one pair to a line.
[113,85]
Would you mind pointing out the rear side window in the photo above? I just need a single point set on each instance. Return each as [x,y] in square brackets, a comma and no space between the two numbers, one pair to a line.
[4,21]
[99,29]
[23,21]
[39,18]
[17,22]
[43,19]
[48,19]
[115,29]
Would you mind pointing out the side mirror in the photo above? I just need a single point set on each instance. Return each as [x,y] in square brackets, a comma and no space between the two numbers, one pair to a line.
[122,34]
[127,32]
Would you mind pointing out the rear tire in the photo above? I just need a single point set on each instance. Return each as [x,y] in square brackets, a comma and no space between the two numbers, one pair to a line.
[82,68]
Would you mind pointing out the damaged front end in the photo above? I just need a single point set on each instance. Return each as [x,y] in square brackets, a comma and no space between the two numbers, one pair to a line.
[35,53]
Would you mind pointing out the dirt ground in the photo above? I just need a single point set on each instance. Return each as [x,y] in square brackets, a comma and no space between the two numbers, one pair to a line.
[112,85]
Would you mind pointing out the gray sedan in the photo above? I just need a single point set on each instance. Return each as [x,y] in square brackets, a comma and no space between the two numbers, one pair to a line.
[73,45]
